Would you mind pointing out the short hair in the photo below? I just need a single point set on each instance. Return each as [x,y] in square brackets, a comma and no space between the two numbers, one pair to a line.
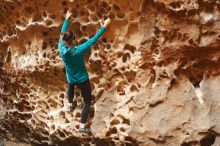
[68,36]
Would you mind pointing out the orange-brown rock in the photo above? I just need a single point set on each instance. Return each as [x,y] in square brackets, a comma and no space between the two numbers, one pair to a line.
[155,73]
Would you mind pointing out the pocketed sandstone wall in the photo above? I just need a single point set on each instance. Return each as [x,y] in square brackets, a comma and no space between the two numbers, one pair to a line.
[154,73]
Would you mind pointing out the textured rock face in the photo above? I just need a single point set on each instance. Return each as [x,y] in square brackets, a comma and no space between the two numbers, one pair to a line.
[154,73]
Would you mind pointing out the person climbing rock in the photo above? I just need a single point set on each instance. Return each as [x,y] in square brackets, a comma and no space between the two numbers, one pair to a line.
[76,74]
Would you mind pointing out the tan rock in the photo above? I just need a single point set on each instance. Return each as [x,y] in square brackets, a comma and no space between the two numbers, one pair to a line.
[155,73]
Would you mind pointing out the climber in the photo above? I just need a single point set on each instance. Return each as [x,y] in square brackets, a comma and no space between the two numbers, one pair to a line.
[76,74]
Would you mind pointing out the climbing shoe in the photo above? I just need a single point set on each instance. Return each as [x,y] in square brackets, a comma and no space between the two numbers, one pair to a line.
[84,130]
[72,106]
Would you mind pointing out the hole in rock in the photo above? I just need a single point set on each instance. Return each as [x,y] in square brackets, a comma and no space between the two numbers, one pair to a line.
[111,115]
[61,133]
[62,113]
[78,114]
[125,57]
[53,127]
[93,18]
[45,33]
[156,31]
[37,17]
[128,138]
[104,40]
[62,95]
[33,121]
[100,94]
[74,13]
[104,4]
[44,55]
[121,15]
[122,129]
[49,22]
[44,14]
[125,121]
[192,12]
[195,82]
[172,83]
[133,88]
[18,22]
[129,48]
[112,15]
[99,14]
[120,88]
[115,122]
[83,28]
[190,41]
[130,75]
[84,12]
[128,144]
[64,3]
[108,134]
[91,7]
[195,74]
[175,5]
[52,103]
[8,59]
[191,143]
[108,46]
[131,109]
[28,10]
[92,111]
[1,56]
[113,130]
[208,140]
[116,7]
[1,64]
[52,16]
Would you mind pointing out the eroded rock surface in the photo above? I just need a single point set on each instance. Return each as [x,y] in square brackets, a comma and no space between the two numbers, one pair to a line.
[155,73]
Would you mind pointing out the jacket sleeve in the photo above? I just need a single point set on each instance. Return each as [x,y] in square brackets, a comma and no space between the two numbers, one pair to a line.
[65,26]
[90,42]
[61,44]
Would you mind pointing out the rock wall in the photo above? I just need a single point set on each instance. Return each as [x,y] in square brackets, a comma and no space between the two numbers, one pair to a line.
[155,73]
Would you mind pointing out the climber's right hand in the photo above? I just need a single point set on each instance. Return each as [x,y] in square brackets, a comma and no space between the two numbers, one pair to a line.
[107,22]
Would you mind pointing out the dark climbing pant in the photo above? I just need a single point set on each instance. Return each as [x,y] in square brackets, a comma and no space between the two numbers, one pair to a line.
[85,88]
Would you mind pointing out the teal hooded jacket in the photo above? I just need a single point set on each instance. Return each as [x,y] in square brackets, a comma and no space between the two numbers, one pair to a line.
[73,57]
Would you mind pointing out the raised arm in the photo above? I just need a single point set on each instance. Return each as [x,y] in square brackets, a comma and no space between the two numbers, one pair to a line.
[89,43]
[66,22]
[61,44]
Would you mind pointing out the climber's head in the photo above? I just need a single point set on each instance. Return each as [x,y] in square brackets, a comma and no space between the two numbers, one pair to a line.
[69,38]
